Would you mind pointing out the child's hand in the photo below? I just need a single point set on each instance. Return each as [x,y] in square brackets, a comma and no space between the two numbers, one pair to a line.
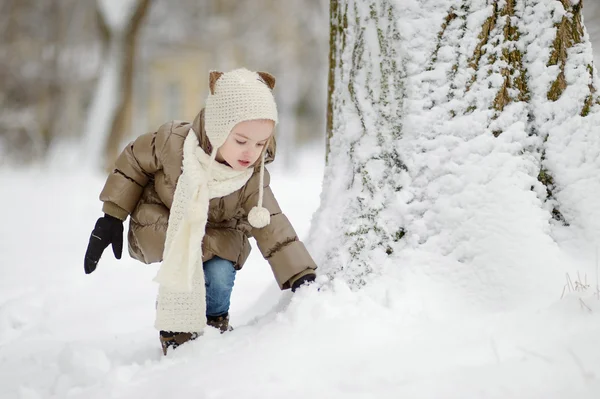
[108,230]
[304,280]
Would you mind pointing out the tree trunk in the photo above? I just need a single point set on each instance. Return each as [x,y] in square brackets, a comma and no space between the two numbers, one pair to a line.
[337,24]
[364,125]
[119,124]
[107,120]
[460,132]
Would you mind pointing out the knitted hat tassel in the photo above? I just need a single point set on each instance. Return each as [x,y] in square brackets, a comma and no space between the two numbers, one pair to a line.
[259,217]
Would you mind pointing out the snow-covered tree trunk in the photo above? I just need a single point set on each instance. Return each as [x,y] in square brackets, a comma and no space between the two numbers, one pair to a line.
[365,124]
[463,145]
[119,23]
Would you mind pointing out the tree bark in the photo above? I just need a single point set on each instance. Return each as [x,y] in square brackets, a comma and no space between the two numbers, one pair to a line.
[365,100]
[337,25]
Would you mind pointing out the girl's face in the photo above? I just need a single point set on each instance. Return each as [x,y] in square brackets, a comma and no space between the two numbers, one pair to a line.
[245,143]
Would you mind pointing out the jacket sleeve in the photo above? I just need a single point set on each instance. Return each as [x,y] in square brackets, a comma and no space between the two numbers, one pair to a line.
[133,168]
[278,241]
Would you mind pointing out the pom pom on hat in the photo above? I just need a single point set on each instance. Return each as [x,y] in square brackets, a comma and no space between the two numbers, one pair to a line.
[259,217]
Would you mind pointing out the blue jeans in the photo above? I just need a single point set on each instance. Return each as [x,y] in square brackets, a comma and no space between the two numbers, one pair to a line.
[219,276]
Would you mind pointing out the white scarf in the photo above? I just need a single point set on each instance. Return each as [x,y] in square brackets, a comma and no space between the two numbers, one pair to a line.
[201,180]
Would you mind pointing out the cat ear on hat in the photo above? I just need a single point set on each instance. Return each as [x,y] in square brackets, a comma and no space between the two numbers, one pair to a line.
[268,79]
[212,80]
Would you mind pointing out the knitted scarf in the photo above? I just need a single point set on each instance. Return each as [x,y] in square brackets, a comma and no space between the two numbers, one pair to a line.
[201,180]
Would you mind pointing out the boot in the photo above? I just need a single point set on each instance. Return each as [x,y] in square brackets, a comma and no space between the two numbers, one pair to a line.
[219,322]
[169,339]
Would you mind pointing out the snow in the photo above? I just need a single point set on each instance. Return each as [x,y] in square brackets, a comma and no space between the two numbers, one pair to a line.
[67,334]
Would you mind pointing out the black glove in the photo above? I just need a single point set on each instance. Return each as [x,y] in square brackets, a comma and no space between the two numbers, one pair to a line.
[108,230]
[304,280]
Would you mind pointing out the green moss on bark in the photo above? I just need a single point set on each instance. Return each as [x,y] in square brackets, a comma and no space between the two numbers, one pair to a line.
[569,32]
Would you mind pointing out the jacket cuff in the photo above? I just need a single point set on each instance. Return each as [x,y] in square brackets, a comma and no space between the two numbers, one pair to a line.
[290,261]
[295,277]
[112,209]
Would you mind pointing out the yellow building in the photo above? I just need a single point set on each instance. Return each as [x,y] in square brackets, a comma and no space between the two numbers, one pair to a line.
[169,87]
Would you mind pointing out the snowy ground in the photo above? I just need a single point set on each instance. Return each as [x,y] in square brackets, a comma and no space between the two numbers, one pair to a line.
[67,335]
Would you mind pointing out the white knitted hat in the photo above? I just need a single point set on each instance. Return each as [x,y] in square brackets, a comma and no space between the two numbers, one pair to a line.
[237,96]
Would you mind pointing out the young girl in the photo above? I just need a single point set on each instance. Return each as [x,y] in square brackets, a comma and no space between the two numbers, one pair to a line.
[195,192]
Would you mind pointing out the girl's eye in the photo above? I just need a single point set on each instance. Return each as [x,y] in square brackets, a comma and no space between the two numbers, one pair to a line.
[261,144]
[240,142]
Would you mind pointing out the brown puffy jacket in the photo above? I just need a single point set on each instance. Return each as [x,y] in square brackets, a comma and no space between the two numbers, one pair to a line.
[142,185]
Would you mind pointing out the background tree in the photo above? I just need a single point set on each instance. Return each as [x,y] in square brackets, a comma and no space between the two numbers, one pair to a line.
[119,24]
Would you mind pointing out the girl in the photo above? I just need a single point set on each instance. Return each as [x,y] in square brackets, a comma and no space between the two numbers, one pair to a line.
[195,192]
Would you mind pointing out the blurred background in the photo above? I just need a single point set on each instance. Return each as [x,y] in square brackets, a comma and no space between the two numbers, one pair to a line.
[80,78]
